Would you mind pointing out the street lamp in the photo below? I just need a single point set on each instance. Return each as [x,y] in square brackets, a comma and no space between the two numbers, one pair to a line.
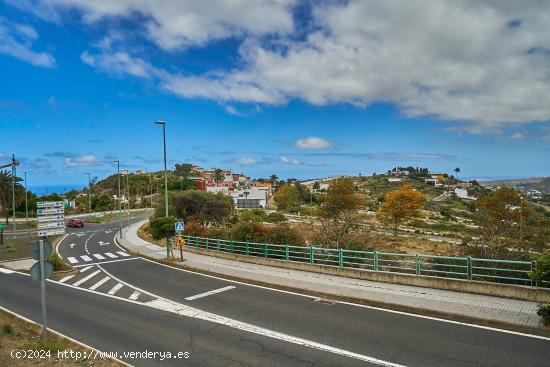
[118,197]
[26,201]
[14,163]
[163,123]
[89,195]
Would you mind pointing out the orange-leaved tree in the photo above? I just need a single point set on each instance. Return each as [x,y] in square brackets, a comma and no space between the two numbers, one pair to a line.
[400,205]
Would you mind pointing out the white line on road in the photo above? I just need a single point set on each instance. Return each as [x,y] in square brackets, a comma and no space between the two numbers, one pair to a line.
[98,256]
[206,294]
[98,284]
[112,256]
[66,278]
[86,258]
[115,289]
[86,268]
[134,295]
[72,260]
[122,253]
[86,278]
[110,261]
[6,271]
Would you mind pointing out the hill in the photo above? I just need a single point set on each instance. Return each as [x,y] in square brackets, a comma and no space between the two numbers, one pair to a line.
[531,183]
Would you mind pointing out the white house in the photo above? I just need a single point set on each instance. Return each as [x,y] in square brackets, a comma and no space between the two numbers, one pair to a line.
[250,198]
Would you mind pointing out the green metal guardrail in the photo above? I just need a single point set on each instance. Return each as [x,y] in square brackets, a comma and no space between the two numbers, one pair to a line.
[468,268]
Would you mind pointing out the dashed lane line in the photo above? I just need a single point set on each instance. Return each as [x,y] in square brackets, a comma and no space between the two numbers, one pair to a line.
[206,294]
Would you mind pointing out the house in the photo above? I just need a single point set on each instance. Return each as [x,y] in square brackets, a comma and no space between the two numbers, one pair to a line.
[250,198]
[433,181]
[463,194]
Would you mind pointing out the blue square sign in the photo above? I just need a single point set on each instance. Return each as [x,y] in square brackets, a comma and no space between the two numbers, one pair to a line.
[180,226]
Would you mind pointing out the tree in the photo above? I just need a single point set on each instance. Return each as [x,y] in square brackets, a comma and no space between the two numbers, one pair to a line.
[199,205]
[218,175]
[457,171]
[273,179]
[287,198]
[339,231]
[340,196]
[400,205]
[184,169]
[6,182]
[162,227]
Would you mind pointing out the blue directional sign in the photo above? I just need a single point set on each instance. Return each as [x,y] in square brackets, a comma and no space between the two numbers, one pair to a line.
[180,226]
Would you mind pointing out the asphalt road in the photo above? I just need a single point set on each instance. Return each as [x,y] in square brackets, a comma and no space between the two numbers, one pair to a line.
[225,323]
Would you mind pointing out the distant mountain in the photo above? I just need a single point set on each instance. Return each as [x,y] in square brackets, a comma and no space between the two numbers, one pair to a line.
[531,183]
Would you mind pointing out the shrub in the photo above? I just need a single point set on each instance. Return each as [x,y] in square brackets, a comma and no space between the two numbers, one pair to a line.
[283,234]
[7,329]
[276,218]
[195,229]
[542,271]
[544,312]
[248,231]
[56,260]
[162,227]
[256,215]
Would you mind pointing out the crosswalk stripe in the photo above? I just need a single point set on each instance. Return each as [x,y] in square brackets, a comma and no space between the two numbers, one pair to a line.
[115,289]
[66,278]
[98,256]
[122,253]
[135,295]
[86,278]
[112,256]
[86,268]
[86,258]
[98,284]
[72,260]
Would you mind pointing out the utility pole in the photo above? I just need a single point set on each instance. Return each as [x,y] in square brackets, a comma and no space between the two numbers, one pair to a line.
[89,194]
[14,163]
[26,201]
[521,220]
[118,197]
[163,123]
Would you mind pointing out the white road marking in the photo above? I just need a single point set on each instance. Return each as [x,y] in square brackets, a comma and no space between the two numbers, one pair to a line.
[86,258]
[86,268]
[109,261]
[98,256]
[72,245]
[115,289]
[72,260]
[87,278]
[98,284]
[122,253]
[134,295]
[101,243]
[86,242]
[5,271]
[112,256]
[206,294]
[66,278]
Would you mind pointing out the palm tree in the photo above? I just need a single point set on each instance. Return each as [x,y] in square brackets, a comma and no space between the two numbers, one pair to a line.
[218,175]
[6,182]
[457,171]
[273,179]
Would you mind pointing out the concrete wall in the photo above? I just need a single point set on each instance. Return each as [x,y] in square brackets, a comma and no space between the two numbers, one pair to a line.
[534,294]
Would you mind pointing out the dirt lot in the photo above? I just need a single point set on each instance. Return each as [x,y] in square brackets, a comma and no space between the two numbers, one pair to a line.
[16,334]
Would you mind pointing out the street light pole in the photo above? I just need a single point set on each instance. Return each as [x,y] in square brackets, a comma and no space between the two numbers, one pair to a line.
[89,195]
[118,197]
[13,173]
[26,201]
[163,123]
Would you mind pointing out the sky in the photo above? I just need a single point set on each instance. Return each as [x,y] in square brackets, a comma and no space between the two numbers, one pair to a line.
[301,89]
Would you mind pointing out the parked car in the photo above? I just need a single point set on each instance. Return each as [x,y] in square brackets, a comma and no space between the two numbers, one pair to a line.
[75,223]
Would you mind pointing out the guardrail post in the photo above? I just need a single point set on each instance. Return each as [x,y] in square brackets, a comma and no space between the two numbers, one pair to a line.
[469,268]
[533,266]
[231,246]
[311,259]
[375,261]
[218,245]
[287,253]
[340,257]
[417,265]
[247,247]
[265,249]
[206,243]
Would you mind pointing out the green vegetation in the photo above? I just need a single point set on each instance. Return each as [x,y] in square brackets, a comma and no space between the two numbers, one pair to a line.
[542,271]
[162,227]
[57,261]
[199,206]
[544,312]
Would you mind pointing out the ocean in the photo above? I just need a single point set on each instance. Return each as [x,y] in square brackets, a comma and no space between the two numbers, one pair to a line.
[57,189]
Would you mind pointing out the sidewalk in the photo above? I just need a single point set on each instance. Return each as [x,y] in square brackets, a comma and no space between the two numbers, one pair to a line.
[486,310]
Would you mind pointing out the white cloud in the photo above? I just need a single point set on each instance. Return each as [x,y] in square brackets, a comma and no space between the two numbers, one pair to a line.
[313,142]
[286,160]
[17,39]
[517,136]
[246,161]
[83,160]
[119,63]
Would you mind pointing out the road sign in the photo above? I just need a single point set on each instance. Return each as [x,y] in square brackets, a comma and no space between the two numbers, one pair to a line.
[35,270]
[180,226]
[35,249]
[49,204]
[51,225]
[51,232]
[50,211]
[51,218]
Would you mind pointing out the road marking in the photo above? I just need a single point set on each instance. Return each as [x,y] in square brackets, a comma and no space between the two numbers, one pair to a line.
[86,258]
[98,284]
[72,245]
[86,268]
[86,278]
[134,295]
[112,256]
[66,278]
[98,256]
[72,260]
[122,253]
[86,242]
[115,289]
[206,294]
[109,261]
[101,243]
[6,271]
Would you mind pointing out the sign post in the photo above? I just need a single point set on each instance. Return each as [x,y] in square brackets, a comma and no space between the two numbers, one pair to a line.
[51,222]
[180,227]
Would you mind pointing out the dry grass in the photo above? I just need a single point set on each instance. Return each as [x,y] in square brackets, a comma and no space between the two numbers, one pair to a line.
[143,233]
[21,335]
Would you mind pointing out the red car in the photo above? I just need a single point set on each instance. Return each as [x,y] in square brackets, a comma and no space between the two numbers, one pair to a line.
[75,223]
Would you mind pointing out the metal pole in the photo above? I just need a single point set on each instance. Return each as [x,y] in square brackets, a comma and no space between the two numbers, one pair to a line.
[118,198]
[89,195]
[163,123]
[521,220]
[43,292]
[13,173]
[26,201]
[128,199]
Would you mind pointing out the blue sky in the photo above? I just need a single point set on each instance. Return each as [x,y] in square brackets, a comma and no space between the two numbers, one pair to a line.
[301,89]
